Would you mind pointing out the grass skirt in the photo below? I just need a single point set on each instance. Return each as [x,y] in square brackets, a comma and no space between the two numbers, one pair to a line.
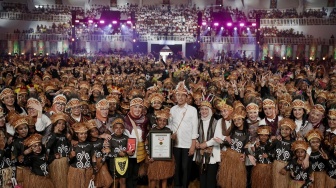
[232,171]
[295,184]
[279,180]
[39,181]
[330,182]
[79,177]
[261,176]
[22,176]
[159,170]
[319,179]
[59,172]
[5,177]
[103,177]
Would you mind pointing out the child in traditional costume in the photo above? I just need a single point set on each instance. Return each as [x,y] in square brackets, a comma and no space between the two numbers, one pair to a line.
[20,125]
[6,170]
[318,158]
[159,171]
[329,145]
[59,148]
[261,173]
[282,152]
[119,153]
[301,177]
[82,159]
[103,177]
[36,159]
[232,171]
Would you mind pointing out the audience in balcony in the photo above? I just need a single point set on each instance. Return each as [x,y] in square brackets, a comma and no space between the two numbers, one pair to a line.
[288,13]
[275,32]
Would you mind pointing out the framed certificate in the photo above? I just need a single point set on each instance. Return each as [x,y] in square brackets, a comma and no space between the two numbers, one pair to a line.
[161,145]
[131,144]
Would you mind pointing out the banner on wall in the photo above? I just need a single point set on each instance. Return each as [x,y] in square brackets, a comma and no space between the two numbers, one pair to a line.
[300,51]
[277,50]
[312,51]
[324,51]
[273,4]
[289,51]
[16,47]
[264,51]
[40,47]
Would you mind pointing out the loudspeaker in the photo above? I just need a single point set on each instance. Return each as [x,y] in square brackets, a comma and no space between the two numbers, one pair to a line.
[133,16]
[73,17]
[199,19]
[110,15]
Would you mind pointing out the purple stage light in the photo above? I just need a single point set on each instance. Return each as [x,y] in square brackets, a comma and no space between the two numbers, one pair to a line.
[90,21]
[77,21]
[114,22]
[254,24]
[241,24]
[129,22]
[235,28]
[229,24]
[101,21]
[216,24]
[203,23]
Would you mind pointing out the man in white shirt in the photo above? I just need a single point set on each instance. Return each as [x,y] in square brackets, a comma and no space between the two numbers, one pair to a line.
[183,123]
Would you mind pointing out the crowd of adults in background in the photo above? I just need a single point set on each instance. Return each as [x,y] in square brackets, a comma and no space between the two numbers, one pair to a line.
[289,13]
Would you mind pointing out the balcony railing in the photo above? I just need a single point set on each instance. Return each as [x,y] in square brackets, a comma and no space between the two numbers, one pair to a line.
[297,21]
[228,40]
[34,17]
[146,38]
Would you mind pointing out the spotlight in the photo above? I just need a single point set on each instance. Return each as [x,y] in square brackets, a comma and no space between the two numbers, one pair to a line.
[114,22]
[77,21]
[216,24]
[34,54]
[22,53]
[229,24]
[72,39]
[271,57]
[129,22]
[102,21]
[323,58]
[254,24]
[203,23]
[47,54]
[222,28]
[134,40]
[9,53]
[235,28]
[241,24]
[110,25]
[122,25]
[96,25]
[208,27]
[248,28]
[297,57]
[283,57]
[311,58]
[90,21]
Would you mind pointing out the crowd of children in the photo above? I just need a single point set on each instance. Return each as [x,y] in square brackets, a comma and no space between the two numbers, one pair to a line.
[71,122]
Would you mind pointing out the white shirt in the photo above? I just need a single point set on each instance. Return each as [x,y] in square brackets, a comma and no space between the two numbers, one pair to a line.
[42,123]
[187,130]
